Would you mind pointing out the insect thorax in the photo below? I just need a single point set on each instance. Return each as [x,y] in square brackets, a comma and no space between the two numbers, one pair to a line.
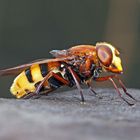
[85,69]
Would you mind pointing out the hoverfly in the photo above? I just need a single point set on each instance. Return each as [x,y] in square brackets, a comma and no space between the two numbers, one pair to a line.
[72,67]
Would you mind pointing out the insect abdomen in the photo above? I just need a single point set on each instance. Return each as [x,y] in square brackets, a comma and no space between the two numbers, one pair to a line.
[25,82]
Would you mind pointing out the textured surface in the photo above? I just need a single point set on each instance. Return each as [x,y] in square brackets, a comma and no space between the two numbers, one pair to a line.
[61,116]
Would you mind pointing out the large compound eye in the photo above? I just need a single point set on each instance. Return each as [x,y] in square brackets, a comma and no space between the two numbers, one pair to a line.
[104,54]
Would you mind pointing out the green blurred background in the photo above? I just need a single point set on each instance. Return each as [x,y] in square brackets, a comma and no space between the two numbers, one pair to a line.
[29,29]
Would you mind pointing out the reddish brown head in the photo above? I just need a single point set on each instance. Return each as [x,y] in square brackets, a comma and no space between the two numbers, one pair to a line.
[109,57]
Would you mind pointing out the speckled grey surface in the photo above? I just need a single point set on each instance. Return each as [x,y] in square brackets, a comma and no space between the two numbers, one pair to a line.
[60,116]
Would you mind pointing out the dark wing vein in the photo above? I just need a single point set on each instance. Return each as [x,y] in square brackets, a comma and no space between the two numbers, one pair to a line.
[18,69]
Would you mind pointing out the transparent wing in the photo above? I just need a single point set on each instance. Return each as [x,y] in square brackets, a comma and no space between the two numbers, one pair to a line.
[59,53]
[18,69]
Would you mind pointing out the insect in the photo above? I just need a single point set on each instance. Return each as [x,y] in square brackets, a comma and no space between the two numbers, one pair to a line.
[72,67]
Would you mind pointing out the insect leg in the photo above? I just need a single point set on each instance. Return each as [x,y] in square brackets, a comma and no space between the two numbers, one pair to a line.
[37,92]
[45,92]
[119,92]
[30,95]
[91,88]
[124,88]
[36,96]
[60,78]
[93,91]
[76,78]
[110,78]
[101,79]
[56,76]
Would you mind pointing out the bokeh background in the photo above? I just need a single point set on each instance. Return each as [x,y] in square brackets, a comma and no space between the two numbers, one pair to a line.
[29,29]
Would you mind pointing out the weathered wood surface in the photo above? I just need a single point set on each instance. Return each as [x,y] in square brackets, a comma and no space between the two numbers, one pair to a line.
[60,116]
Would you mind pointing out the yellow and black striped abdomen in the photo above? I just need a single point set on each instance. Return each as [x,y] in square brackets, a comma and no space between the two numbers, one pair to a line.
[25,82]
